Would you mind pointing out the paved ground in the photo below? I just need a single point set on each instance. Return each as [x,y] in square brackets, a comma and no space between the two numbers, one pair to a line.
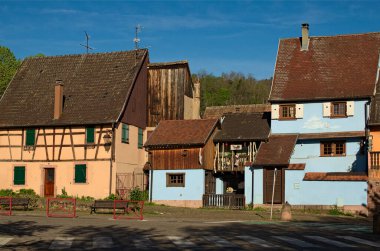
[165,228]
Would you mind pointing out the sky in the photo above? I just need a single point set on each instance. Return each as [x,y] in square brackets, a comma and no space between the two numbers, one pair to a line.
[214,36]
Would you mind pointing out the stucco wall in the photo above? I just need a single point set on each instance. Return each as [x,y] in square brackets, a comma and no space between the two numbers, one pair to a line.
[258,189]
[97,185]
[193,190]
[314,122]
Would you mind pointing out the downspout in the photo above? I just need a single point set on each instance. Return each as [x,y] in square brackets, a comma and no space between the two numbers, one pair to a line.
[151,179]
[366,110]
[112,157]
[253,183]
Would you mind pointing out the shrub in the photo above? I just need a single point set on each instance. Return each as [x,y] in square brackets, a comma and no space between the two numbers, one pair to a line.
[111,197]
[85,198]
[7,192]
[63,194]
[337,211]
[137,194]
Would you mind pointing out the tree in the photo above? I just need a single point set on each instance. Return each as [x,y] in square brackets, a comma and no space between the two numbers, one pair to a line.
[8,67]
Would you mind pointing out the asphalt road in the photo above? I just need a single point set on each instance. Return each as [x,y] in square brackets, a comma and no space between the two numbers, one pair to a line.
[101,232]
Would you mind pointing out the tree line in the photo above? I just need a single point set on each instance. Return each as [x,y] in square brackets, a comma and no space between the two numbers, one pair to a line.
[232,88]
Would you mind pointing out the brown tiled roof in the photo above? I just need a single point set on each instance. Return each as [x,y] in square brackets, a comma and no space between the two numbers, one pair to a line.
[244,127]
[374,117]
[276,151]
[163,64]
[333,67]
[331,135]
[181,133]
[298,166]
[338,176]
[96,87]
[215,112]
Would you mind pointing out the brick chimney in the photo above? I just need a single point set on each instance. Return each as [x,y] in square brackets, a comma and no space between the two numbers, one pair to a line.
[305,37]
[58,99]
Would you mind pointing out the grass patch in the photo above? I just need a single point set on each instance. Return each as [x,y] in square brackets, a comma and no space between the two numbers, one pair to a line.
[335,211]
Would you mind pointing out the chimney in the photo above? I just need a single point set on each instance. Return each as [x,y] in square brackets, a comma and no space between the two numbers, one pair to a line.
[197,100]
[58,99]
[305,37]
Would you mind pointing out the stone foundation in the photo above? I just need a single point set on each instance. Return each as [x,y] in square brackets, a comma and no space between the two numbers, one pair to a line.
[180,203]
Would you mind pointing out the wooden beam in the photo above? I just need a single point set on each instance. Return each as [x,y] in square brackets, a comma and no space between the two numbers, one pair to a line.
[35,143]
[22,144]
[9,143]
[46,149]
[45,161]
[98,144]
[53,143]
[60,147]
[72,142]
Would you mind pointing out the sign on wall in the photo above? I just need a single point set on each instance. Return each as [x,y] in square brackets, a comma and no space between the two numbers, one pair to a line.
[236,147]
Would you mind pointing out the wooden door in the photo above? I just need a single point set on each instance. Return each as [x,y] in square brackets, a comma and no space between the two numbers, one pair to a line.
[279,186]
[49,182]
[210,183]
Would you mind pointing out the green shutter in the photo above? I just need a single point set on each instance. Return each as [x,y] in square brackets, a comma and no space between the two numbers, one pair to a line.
[90,135]
[125,133]
[19,175]
[30,137]
[80,173]
[140,144]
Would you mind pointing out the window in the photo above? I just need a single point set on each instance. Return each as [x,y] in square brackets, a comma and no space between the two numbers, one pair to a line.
[30,137]
[175,179]
[287,111]
[19,175]
[125,133]
[141,139]
[90,135]
[80,173]
[338,109]
[333,148]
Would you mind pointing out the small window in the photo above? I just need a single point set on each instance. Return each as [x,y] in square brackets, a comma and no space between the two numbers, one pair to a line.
[80,174]
[90,135]
[175,179]
[30,137]
[287,112]
[141,139]
[338,109]
[333,148]
[125,133]
[19,175]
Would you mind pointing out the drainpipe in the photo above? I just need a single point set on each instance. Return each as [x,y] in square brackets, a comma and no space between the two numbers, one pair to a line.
[151,179]
[253,182]
[112,156]
[366,110]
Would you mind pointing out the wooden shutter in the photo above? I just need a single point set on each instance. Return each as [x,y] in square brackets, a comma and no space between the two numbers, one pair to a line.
[275,111]
[299,111]
[80,173]
[350,108]
[30,137]
[141,139]
[19,175]
[125,133]
[90,135]
[327,109]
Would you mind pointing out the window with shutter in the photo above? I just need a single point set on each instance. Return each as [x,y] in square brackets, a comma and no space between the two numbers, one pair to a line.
[80,174]
[140,140]
[19,175]
[125,133]
[90,135]
[30,137]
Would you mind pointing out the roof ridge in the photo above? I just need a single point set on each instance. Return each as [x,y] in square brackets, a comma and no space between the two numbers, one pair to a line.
[339,35]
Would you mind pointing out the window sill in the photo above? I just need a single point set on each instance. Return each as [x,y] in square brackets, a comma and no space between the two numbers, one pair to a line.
[338,117]
[342,155]
[29,148]
[90,145]
[125,142]
[287,119]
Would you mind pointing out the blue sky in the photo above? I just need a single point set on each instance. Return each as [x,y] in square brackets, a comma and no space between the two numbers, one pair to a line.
[216,36]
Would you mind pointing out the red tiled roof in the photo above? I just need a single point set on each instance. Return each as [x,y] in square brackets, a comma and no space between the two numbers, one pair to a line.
[276,151]
[332,135]
[298,166]
[215,112]
[181,132]
[333,67]
[338,176]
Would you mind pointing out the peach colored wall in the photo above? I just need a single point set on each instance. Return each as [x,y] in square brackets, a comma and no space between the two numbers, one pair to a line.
[128,157]
[97,185]
[375,133]
[49,143]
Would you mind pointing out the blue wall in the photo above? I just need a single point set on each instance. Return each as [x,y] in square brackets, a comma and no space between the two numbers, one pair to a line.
[299,192]
[193,190]
[258,190]
[314,122]
[308,151]
[219,186]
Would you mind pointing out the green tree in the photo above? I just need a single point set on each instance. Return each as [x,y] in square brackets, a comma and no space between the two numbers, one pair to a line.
[8,67]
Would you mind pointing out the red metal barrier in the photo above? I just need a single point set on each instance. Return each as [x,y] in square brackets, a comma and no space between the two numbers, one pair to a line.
[61,207]
[128,209]
[6,206]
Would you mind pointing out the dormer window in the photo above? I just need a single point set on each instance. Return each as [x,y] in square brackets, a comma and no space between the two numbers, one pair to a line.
[287,112]
[338,109]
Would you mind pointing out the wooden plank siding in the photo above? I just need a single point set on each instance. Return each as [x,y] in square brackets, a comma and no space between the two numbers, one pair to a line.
[167,86]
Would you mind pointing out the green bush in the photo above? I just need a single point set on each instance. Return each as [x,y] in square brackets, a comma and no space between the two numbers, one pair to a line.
[64,194]
[111,197]
[22,193]
[137,194]
[7,192]
[337,211]
[85,198]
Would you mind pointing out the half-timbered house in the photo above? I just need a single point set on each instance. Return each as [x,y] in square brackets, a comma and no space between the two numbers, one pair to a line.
[74,122]
[181,157]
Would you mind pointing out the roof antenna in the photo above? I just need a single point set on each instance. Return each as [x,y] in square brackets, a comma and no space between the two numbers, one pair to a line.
[87,46]
[136,40]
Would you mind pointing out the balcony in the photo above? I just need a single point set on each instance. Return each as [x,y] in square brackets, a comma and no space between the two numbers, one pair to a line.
[374,168]
[231,162]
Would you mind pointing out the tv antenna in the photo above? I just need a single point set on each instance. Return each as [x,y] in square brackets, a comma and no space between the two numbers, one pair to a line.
[136,40]
[87,46]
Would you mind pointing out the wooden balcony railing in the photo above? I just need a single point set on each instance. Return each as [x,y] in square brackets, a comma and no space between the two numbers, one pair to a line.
[375,160]
[227,201]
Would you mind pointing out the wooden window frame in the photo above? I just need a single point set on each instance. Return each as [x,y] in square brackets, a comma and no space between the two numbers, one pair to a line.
[94,136]
[28,134]
[333,115]
[14,175]
[169,182]
[125,133]
[333,148]
[281,115]
[75,176]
